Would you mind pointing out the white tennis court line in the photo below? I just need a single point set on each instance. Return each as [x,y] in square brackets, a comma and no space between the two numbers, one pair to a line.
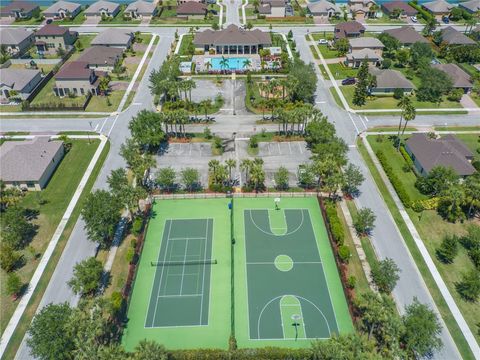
[183,270]
[282,262]
[204,269]
[180,296]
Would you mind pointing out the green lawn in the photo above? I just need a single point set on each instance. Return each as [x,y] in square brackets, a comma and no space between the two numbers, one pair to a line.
[187,40]
[384,20]
[82,43]
[475,98]
[168,16]
[77,20]
[472,142]
[57,195]
[340,71]
[321,35]
[100,103]
[432,229]
[327,52]
[119,19]
[389,102]
[31,21]
[45,68]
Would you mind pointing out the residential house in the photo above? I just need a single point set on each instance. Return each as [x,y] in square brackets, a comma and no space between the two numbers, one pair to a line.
[389,80]
[460,79]
[366,43]
[101,58]
[324,9]
[407,35]
[76,78]
[18,82]
[355,58]
[29,164]
[19,10]
[447,151]
[471,6]
[349,29]
[451,36]
[112,37]
[51,37]
[272,8]
[232,40]
[398,8]
[438,8]
[192,10]
[63,10]
[363,9]
[140,9]
[103,9]
[184,1]
[16,41]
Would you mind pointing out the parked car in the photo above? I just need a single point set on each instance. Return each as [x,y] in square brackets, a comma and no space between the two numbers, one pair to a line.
[49,21]
[349,81]
[446,20]
[214,12]
[322,42]
[413,18]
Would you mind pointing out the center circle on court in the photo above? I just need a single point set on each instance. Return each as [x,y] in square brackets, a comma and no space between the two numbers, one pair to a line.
[283,263]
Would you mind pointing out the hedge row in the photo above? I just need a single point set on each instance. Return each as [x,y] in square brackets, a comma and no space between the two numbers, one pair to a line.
[267,353]
[421,11]
[397,184]
[407,157]
[336,226]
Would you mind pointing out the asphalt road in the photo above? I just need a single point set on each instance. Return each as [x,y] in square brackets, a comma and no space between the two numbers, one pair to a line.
[386,238]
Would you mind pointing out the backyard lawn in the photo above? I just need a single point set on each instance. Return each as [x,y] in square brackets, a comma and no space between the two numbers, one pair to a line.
[77,20]
[389,102]
[54,200]
[340,71]
[327,52]
[433,228]
[169,16]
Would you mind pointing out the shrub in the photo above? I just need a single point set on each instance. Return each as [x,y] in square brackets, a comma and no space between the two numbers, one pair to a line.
[116,301]
[336,226]
[392,176]
[253,143]
[137,226]
[469,286]
[14,284]
[344,253]
[130,255]
[448,249]
[351,282]
[455,95]
[398,94]
[407,157]
[364,221]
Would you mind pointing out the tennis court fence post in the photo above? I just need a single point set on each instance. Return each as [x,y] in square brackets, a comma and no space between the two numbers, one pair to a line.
[232,276]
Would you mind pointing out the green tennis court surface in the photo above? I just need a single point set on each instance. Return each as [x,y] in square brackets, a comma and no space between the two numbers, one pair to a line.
[181,287]
[288,295]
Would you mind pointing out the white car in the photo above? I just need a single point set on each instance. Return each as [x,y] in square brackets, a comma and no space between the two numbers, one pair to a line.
[322,42]
[414,19]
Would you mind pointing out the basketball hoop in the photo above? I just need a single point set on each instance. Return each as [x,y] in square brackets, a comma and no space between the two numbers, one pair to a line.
[277,202]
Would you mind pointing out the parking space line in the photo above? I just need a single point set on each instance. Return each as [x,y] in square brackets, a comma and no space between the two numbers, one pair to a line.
[279,150]
[300,148]
[190,150]
[289,147]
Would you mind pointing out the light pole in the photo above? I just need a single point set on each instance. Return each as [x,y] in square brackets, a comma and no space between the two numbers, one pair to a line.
[296,318]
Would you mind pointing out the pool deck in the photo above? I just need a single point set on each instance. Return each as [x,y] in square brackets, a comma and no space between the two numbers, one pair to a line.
[200,60]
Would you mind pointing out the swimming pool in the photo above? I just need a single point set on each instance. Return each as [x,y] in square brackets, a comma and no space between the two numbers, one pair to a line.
[235,63]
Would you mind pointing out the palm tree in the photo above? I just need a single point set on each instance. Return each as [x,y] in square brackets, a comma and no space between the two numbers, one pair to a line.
[213,166]
[208,65]
[246,165]
[409,115]
[257,176]
[472,191]
[402,104]
[430,26]
[224,63]
[247,63]
[206,105]
[190,85]
[231,163]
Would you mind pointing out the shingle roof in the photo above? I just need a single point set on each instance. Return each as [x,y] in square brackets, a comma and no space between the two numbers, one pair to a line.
[52,30]
[17,5]
[9,36]
[454,37]
[112,36]
[362,54]
[447,151]
[438,6]
[323,6]
[366,42]
[62,5]
[264,9]
[74,70]
[232,35]
[406,35]
[275,3]
[101,55]
[17,79]
[406,9]
[191,8]
[27,160]
[459,77]
[101,5]
[349,27]
[472,5]
[390,79]
[140,6]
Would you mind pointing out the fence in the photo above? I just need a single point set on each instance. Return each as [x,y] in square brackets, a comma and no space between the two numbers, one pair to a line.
[235,195]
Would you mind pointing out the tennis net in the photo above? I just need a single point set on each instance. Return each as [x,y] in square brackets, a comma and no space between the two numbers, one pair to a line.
[188,262]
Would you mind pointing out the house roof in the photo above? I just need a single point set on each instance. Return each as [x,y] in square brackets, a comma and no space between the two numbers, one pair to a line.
[17,79]
[438,6]
[52,30]
[406,9]
[459,77]
[96,7]
[362,54]
[112,36]
[472,5]
[141,6]
[350,27]
[390,79]
[14,36]
[191,8]
[74,70]
[365,42]
[101,55]
[454,37]
[27,160]
[447,151]
[18,5]
[406,35]
[62,5]
[323,6]
[264,9]
[274,3]
[232,35]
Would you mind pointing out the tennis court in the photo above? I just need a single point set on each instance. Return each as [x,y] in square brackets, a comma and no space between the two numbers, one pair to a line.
[293,292]
[181,287]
